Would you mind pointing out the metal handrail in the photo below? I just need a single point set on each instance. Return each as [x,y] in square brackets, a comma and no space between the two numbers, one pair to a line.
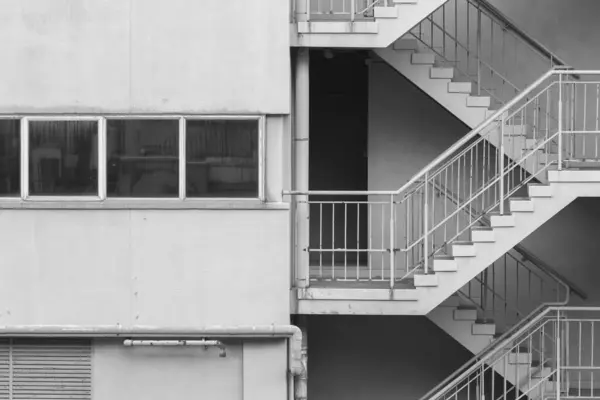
[500,344]
[562,70]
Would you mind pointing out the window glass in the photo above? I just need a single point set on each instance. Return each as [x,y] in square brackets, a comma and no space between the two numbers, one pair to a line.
[10,156]
[142,158]
[63,158]
[222,158]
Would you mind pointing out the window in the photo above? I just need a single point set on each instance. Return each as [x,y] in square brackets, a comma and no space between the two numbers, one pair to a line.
[86,158]
[10,148]
[142,158]
[63,158]
[222,158]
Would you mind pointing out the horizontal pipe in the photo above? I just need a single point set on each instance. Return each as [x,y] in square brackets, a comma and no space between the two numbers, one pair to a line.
[170,343]
[291,332]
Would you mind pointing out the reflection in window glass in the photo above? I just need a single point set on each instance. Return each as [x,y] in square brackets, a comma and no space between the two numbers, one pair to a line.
[222,158]
[142,158]
[10,171]
[63,158]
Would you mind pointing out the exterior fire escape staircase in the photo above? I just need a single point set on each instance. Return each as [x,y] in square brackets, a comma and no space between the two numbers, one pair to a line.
[447,243]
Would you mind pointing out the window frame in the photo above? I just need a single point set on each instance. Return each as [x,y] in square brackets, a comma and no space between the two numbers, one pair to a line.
[101,196]
[101,189]
[261,157]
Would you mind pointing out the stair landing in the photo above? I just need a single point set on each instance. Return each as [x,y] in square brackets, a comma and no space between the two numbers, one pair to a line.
[426,292]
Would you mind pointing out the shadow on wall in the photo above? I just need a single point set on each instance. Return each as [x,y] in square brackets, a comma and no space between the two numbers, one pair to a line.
[378,357]
[569,243]
[569,28]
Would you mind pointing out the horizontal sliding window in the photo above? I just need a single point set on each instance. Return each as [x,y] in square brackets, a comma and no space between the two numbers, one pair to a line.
[222,158]
[10,155]
[63,158]
[142,158]
[86,158]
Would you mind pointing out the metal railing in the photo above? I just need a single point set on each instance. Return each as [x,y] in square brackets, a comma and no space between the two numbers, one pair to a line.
[509,289]
[388,236]
[485,48]
[549,354]
[342,10]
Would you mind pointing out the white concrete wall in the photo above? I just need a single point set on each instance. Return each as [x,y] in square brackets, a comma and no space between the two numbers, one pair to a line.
[145,56]
[250,371]
[144,267]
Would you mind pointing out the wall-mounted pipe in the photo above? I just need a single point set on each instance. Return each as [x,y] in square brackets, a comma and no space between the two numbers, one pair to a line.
[170,343]
[290,332]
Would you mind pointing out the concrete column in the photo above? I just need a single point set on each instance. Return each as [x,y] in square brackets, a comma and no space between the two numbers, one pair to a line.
[301,156]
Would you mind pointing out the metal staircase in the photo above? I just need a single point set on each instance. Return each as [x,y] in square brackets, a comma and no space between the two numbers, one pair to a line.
[549,354]
[472,60]
[416,246]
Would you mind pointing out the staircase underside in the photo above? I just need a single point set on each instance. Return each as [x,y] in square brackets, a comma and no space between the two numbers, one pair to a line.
[431,290]
[388,24]
[456,94]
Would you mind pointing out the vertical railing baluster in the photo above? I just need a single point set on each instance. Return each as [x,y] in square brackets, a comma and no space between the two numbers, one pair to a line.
[501,163]
[426,227]
[392,242]
[320,240]
[560,120]
[478,51]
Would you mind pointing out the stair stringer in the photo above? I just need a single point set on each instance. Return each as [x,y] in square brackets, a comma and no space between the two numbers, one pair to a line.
[505,239]
[455,102]
[379,33]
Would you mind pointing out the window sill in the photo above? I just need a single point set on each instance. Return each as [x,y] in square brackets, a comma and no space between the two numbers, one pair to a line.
[142,204]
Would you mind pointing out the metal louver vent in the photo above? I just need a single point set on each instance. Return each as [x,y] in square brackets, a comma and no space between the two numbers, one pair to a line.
[45,369]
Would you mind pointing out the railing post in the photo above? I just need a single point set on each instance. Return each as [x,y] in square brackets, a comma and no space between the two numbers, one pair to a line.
[560,121]
[392,242]
[426,226]
[301,167]
[501,163]
[478,51]
[352,9]
[558,355]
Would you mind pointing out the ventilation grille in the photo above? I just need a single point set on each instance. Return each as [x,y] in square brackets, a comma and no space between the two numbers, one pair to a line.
[45,369]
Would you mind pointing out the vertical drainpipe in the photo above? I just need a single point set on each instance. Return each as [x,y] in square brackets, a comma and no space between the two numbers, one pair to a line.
[301,134]
[301,380]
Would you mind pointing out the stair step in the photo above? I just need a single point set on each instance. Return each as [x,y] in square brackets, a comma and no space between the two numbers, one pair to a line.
[465,314]
[483,328]
[441,73]
[460,87]
[520,358]
[539,190]
[444,264]
[406,44]
[423,58]
[502,221]
[482,234]
[478,101]
[426,280]
[521,205]
[464,249]
[385,12]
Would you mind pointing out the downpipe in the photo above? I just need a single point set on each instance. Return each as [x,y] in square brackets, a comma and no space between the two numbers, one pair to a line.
[296,345]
